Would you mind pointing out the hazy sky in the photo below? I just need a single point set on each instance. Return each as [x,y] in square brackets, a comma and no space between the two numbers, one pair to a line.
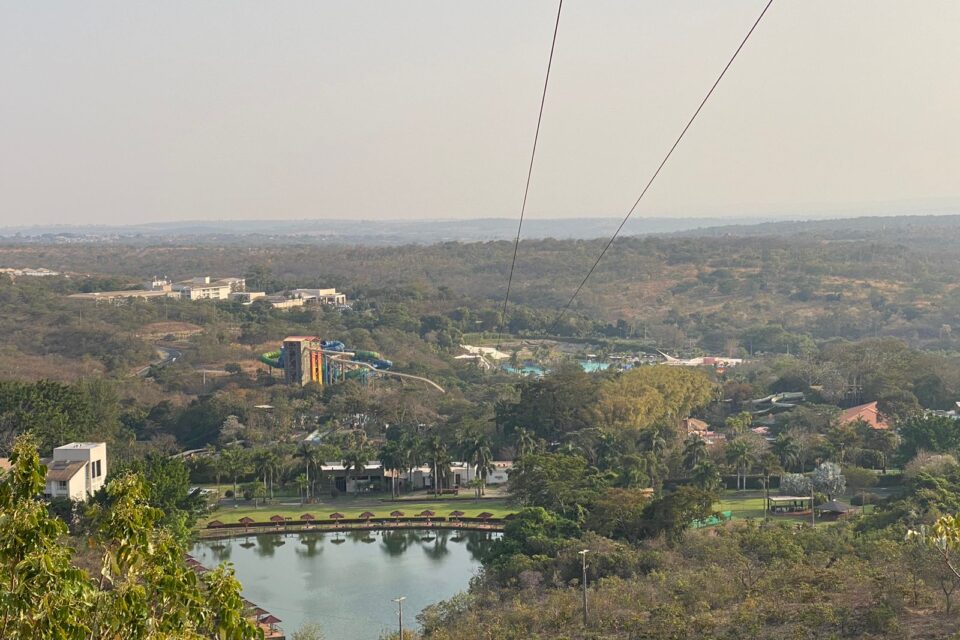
[129,111]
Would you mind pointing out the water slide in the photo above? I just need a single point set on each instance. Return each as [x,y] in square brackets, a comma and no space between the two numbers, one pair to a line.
[368,361]
[273,359]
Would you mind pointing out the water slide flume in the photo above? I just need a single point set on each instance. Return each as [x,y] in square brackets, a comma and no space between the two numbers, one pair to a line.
[362,363]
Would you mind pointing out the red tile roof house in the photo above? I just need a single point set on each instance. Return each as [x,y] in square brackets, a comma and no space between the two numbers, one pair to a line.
[866,412]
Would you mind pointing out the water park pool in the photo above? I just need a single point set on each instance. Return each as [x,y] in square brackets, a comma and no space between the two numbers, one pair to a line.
[526,370]
[346,581]
[590,366]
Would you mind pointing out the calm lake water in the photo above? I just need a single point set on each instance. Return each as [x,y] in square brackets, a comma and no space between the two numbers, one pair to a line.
[346,581]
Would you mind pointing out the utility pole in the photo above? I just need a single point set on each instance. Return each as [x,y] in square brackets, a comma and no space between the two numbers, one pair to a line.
[583,558]
[399,600]
[813,514]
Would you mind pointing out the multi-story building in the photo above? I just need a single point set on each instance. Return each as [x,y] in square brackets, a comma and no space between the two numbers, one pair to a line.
[77,470]
[324,296]
[203,288]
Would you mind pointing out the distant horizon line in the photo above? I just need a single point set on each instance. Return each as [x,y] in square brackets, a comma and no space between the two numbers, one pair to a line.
[719,220]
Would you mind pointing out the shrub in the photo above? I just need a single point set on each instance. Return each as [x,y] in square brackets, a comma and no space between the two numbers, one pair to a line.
[935,464]
[861,499]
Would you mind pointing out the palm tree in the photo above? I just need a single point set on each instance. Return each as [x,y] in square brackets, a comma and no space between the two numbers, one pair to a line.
[392,459]
[786,450]
[265,462]
[633,471]
[236,463]
[476,451]
[437,451]
[706,475]
[302,484]
[355,462]
[311,456]
[525,442]
[219,468]
[654,441]
[738,454]
[694,452]
[412,451]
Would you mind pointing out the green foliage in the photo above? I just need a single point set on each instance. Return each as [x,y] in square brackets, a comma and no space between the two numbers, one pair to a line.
[533,532]
[54,413]
[560,483]
[671,515]
[929,433]
[143,589]
[167,484]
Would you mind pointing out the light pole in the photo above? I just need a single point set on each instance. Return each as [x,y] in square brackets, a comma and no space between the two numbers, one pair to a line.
[399,600]
[583,581]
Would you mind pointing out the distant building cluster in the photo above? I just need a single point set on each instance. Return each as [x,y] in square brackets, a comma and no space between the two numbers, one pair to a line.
[39,272]
[207,288]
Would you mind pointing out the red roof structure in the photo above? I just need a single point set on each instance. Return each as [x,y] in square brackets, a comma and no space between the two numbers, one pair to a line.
[866,412]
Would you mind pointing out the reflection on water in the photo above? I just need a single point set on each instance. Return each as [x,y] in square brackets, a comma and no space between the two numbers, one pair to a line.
[346,580]
[310,544]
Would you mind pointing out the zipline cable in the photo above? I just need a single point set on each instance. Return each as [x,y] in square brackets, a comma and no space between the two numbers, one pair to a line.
[526,190]
[566,308]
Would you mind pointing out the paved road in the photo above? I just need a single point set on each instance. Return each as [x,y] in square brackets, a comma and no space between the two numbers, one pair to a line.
[167,356]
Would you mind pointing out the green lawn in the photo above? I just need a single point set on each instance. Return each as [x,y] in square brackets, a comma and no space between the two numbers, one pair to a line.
[747,505]
[744,505]
[352,507]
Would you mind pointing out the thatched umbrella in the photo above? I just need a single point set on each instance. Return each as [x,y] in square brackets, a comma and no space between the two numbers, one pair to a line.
[396,514]
[486,515]
[307,517]
[270,620]
[426,513]
[336,516]
[457,514]
[366,515]
[213,524]
[246,521]
[277,519]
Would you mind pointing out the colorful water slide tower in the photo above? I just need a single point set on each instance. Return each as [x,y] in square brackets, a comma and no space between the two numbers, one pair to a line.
[308,359]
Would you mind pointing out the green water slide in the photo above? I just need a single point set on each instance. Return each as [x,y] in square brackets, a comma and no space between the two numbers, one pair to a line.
[272,359]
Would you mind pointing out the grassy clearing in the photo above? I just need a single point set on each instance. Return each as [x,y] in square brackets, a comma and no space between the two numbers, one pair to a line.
[353,507]
[745,506]
[749,505]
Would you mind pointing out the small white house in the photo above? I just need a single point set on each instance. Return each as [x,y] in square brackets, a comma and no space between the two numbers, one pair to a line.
[77,470]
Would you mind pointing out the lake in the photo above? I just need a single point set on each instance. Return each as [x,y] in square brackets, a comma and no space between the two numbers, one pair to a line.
[346,581]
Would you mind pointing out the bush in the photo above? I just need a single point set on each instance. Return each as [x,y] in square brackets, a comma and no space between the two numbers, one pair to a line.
[228,493]
[861,499]
[859,478]
[248,494]
[936,464]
